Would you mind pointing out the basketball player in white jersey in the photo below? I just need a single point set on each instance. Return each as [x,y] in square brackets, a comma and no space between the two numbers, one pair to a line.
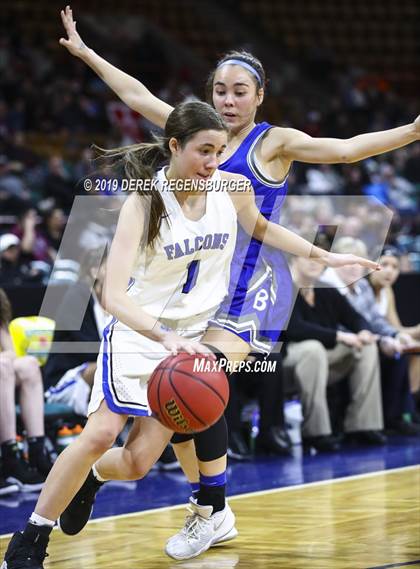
[165,310]
[264,153]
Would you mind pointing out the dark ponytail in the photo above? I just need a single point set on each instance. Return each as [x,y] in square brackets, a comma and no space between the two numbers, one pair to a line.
[140,161]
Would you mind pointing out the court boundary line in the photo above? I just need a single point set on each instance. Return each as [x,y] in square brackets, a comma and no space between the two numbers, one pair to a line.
[251,494]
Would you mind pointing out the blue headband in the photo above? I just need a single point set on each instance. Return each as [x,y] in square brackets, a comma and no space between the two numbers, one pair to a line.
[245,66]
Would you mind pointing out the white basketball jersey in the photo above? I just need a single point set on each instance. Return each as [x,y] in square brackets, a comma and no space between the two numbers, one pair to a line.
[186,274]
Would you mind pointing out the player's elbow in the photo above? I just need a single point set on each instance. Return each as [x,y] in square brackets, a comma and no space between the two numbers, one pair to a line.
[110,301]
[347,153]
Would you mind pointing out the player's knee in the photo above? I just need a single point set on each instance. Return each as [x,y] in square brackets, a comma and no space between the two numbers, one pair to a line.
[28,367]
[101,440]
[315,353]
[139,468]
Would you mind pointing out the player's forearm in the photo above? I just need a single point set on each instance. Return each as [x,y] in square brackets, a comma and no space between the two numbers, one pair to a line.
[127,312]
[281,238]
[373,143]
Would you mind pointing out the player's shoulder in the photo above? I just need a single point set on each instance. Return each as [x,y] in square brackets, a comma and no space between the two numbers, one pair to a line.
[281,134]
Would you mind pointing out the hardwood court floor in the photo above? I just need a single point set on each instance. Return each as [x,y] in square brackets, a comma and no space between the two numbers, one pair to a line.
[358,523]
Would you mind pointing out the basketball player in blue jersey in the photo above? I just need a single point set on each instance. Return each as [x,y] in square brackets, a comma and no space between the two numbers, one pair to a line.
[252,311]
[159,233]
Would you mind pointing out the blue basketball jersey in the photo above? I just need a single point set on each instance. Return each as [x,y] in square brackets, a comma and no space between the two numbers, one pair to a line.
[260,289]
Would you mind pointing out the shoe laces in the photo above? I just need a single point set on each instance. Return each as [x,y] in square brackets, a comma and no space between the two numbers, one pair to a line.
[195,526]
[25,555]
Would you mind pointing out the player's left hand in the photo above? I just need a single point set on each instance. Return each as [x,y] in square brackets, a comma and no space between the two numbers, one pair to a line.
[336,260]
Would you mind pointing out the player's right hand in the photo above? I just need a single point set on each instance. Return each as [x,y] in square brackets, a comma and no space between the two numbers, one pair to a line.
[74,43]
[176,343]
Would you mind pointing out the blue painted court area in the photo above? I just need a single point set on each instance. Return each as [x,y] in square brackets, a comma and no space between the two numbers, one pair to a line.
[165,489]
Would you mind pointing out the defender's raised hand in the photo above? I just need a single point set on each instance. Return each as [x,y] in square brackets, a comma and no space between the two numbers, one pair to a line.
[74,42]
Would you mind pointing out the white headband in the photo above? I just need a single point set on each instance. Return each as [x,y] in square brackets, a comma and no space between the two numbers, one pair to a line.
[245,65]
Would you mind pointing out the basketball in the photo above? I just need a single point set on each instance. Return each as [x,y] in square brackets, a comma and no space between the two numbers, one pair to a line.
[188,393]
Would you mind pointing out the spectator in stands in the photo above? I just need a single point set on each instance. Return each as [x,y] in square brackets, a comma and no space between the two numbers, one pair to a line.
[68,377]
[52,229]
[13,268]
[397,400]
[58,183]
[320,353]
[34,246]
[385,299]
[22,373]
[13,190]
[267,386]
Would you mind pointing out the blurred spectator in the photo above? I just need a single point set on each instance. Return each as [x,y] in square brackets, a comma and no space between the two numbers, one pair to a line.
[267,386]
[34,246]
[68,377]
[320,353]
[13,190]
[398,404]
[409,336]
[58,183]
[21,373]
[52,229]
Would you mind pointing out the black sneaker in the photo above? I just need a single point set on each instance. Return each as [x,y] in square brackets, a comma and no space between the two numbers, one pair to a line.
[238,448]
[320,443]
[77,514]
[41,461]
[28,549]
[366,438]
[17,471]
[275,440]
[7,487]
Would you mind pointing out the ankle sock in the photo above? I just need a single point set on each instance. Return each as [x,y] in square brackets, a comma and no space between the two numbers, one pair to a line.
[37,520]
[195,488]
[212,491]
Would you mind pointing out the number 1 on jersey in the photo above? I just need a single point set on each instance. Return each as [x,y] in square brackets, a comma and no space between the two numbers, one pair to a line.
[192,275]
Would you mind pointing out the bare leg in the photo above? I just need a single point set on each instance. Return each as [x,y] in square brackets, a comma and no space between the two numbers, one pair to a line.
[29,380]
[88,373]
[73,465]
[145,443]
[185,453]
[7,399]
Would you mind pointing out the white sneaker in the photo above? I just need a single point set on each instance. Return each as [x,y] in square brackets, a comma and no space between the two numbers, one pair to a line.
[202,529]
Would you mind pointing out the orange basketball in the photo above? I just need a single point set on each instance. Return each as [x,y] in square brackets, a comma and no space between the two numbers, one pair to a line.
[188,393]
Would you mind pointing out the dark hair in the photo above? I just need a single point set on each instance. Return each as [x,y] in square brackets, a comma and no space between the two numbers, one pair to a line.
[5,310]
[92,259]
[140,161]
[390,251]
[241,55]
